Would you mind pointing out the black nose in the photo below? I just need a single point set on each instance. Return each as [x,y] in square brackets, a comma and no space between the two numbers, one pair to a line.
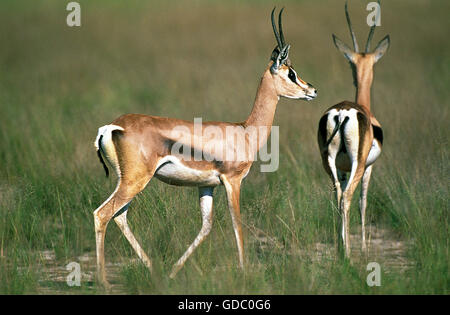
[310,85]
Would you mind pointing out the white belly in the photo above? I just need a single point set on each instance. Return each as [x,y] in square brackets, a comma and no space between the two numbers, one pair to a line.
[172,171]
[374,153]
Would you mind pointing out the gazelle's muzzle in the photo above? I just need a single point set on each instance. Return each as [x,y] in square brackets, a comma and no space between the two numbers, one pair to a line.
[310,92]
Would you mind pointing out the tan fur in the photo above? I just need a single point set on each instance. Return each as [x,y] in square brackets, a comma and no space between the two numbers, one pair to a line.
[146,140]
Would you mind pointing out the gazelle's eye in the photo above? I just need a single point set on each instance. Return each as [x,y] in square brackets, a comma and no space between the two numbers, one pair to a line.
[292,76]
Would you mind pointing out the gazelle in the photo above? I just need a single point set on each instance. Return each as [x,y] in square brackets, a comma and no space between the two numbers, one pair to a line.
[350,137]
[139,147]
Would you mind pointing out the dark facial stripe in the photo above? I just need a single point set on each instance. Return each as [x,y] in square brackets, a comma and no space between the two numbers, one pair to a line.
[292,76]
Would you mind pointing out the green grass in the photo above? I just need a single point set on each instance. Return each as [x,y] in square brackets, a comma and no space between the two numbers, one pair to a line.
[204,59]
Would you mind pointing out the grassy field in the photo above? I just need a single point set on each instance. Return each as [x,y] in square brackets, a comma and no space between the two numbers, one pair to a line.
[189,59]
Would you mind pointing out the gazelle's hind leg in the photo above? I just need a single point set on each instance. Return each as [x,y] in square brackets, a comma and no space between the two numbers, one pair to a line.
[363,203]
[232,187]
[332,136]
[102,216]
[353,181]
[119,199]
[337,183]
[206,205]
[121,219]
[357,154]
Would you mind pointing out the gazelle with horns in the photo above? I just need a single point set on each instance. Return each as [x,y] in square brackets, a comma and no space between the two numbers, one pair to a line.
[350,137]
[139,147]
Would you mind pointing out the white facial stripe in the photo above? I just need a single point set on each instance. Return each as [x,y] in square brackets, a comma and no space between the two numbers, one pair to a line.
[305,86]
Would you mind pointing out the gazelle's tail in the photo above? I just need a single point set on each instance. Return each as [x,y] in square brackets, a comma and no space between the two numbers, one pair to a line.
[340,123]
[105,147]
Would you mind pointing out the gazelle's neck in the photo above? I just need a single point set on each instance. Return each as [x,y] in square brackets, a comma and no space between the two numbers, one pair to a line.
[265,103]
[363,87]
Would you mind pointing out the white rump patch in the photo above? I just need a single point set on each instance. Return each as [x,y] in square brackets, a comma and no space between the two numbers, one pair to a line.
[349,134]
[106,132]
[108,150]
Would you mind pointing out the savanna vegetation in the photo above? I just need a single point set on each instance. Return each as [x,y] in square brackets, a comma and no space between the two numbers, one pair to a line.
[189,59]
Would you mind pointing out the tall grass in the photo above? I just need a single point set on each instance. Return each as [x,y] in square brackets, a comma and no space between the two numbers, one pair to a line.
[204,59]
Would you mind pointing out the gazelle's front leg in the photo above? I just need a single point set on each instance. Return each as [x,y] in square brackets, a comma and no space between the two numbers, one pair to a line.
[206,205]
[363,203]
[233,188]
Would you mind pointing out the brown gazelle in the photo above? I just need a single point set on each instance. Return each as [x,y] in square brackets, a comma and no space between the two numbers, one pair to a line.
[140,147]
[349,136]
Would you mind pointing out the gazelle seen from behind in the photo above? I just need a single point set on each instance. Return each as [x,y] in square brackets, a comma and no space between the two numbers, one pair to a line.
[349,136]
[140,147]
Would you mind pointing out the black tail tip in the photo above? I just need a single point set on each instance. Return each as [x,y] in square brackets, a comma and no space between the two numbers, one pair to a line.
[99,154]
[103,163]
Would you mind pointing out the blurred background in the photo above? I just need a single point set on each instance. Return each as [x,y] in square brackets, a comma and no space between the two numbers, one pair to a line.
[188,59]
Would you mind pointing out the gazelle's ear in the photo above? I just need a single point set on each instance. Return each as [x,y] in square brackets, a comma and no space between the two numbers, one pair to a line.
[280,59]
[275,65]
[381,48]
[284,54]
[344,49]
